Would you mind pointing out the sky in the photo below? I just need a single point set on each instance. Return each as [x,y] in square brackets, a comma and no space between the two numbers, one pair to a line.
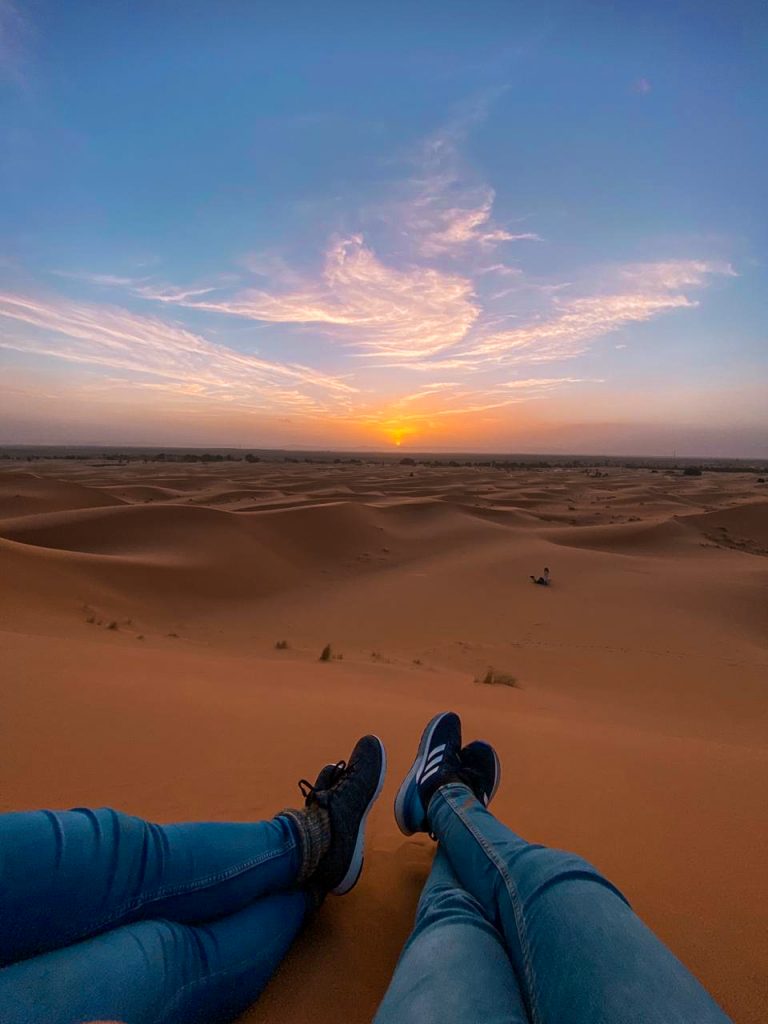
[488,226]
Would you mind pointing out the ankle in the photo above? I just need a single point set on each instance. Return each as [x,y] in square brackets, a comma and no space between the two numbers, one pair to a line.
[314,830]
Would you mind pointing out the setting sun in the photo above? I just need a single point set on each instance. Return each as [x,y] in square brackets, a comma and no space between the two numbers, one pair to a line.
[397,434]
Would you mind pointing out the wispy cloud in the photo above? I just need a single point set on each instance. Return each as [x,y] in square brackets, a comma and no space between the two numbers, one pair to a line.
[175,359]
[427,319]
[433,402]
[447,220]
[411,313]
[546,383]
[443,210]
[105,280]
[573,325]
[428,307]
[441,301]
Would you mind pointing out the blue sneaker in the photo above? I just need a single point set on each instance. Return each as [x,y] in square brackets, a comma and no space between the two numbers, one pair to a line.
[481,770]
[437,762]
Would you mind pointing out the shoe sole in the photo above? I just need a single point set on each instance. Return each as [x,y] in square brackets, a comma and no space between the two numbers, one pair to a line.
[496,774]
[424,742]
[358,854]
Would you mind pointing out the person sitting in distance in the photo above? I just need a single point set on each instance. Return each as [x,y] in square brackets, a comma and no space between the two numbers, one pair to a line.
[543,581]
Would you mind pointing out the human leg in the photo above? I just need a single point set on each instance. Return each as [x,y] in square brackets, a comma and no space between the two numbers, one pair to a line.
[157,971]
[66,875]
[579,950]
[454,966]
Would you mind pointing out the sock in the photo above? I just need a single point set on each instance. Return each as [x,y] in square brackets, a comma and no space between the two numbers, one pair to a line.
[314,828]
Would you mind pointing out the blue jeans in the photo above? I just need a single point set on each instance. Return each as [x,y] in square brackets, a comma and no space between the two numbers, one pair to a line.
[104,916]
[107,917]
[508,932]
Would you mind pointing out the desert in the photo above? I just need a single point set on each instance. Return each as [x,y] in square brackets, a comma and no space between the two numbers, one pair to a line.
[142,605]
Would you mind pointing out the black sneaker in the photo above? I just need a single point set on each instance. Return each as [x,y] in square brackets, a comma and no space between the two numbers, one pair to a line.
[347,791]
[481,770]
[329,774]
[437,762]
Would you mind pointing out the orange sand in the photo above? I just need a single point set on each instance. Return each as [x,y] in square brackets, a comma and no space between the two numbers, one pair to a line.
[636,736]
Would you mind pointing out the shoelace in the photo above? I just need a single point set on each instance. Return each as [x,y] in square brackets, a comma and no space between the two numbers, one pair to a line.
[309,790]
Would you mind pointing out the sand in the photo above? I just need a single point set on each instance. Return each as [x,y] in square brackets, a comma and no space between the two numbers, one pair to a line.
[140,606]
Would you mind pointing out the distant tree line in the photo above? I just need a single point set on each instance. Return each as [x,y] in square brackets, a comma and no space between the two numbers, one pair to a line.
[588,464]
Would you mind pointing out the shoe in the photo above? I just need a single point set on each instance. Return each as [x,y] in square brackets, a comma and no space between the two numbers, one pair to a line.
[481,770]
[437,762]
[328,774]
[347,791]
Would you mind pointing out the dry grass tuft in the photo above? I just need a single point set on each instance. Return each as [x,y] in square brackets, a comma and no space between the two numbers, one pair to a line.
[494,678]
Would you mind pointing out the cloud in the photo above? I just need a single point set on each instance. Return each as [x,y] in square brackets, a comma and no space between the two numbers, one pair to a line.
[649,289]
[179,360]
[546,383]
[444,210]
[433,402]
[447,219]
[439,303]
[429,312]
[103,280]
[409,313]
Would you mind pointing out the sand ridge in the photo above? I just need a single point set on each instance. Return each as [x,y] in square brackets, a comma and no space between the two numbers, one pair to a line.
[140,605]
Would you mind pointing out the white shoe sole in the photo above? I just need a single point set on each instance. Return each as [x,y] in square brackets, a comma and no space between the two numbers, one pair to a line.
[358,854]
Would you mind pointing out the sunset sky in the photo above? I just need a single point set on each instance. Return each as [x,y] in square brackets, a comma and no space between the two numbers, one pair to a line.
[487,226]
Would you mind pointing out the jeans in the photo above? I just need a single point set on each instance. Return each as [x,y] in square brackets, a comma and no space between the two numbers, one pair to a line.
[107,917]
[508,932]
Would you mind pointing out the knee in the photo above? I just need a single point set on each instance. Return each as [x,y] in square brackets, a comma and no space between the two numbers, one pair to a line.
[541,868]
[446,903]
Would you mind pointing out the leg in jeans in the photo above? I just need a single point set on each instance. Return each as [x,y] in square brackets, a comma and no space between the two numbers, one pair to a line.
[158,971]
[66,876]
[454,966]
[580,952]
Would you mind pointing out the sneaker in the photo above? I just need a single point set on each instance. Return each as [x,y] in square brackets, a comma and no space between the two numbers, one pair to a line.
[347,791]
[481,770]
[329,774]
[437,762]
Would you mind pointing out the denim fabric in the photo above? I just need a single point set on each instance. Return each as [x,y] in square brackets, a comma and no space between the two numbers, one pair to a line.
[578,952]
[105,916]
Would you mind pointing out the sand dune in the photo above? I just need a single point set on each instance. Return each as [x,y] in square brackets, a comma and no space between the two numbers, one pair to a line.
[654,538]
[140,605]
[744,527]
[26,493]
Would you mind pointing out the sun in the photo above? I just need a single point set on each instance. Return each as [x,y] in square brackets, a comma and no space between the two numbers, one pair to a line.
[398,432]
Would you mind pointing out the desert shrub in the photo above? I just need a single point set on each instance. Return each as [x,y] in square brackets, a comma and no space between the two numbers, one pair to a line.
[326,654]
[494,678]
[281,645]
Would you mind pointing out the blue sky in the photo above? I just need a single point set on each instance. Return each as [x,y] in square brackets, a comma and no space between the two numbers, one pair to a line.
[489,226]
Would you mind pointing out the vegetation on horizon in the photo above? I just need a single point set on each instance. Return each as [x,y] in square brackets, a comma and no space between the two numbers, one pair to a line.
[686,466]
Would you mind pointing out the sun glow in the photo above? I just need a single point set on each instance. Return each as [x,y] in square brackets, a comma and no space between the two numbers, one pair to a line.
[398,434]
